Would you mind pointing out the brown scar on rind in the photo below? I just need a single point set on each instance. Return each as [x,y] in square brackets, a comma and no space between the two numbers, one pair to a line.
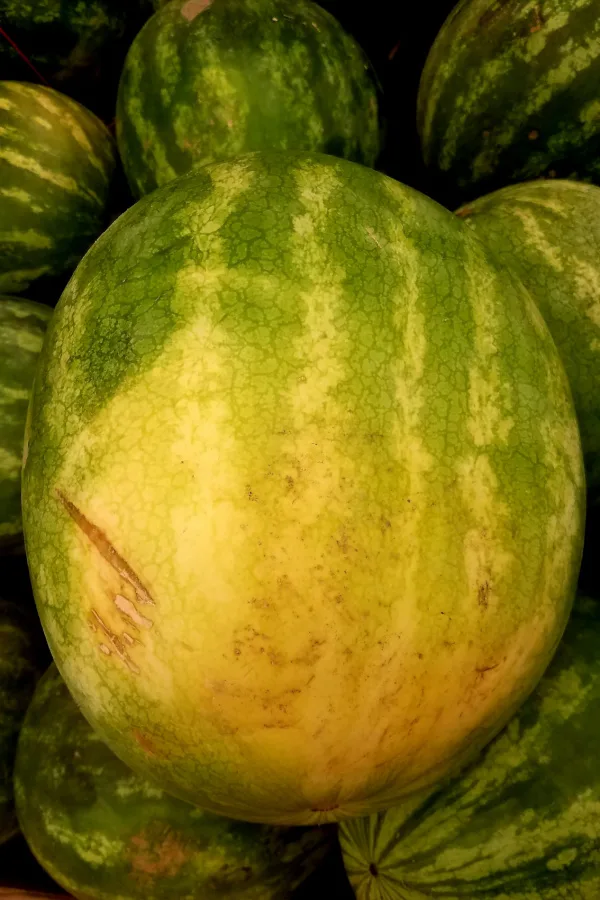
[116,644]
[106,549]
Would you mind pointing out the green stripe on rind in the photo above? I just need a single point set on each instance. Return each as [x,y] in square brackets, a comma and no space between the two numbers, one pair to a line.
[22,327]
[548,232]
[204,82]
[383,397]
[522,823]
[18,675]
[478,129]
[56,164]
[103,832]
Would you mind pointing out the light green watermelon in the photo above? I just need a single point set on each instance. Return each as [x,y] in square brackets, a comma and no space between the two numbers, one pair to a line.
[22,328]
[210,79]
[509,92]
[103,833]
[56,165]
[304,491]
[548,232]
[20,658]
[522,823]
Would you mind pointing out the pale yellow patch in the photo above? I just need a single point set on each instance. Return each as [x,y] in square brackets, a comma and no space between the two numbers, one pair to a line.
[535,236]
[5,103]
[587,282]
[18,278]
[43,123]
[10,394]
[9,462]
[34,239]
[489,420]
[303,225]
[486,559]
[590,113]
[15,193]
[94,848]
[28,164]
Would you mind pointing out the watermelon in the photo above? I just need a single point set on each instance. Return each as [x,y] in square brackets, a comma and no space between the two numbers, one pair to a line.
[509,92]
[102,832]
[19,671]
[22,327]
[75,46]
[303,490]
[522,822]
[56,164]
[210,79]
[549,233]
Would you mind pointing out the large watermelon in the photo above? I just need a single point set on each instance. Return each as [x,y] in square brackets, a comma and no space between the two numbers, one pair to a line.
[522,823]
[549,233]
[209,79]
[303,495]
[75,46]
[22,327]
[20,655]
[510,91]
[102,832]
[56,164]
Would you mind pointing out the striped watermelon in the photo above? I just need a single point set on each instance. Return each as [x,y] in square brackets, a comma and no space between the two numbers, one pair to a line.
[102,832]
[522,823]
[22,327]
[548,232]
[56,164]
[20,654]
[510,91]
[75,46]
[304,490]
[209,79]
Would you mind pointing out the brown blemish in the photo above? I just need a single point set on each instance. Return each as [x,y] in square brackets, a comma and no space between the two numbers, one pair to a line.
[144,742]
[116,644]
[533,135]
[483,669]
[373,870]
[164,857]
[483,594]
[539,20]
[100,541]
[465,211]
[193,8]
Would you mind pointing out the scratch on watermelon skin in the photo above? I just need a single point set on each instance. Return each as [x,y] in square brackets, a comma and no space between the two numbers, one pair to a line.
[104,833]
[510,92]
[548,232]
[56,165]
[207,81]
[334,441]
[22,328]
[19,672]
[523,823]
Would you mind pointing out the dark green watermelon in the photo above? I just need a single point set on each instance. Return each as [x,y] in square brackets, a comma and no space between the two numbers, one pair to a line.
[75,46]
[209,79]
[22,328]
[511,91]
[56,165]
[101,831]
[22,660]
